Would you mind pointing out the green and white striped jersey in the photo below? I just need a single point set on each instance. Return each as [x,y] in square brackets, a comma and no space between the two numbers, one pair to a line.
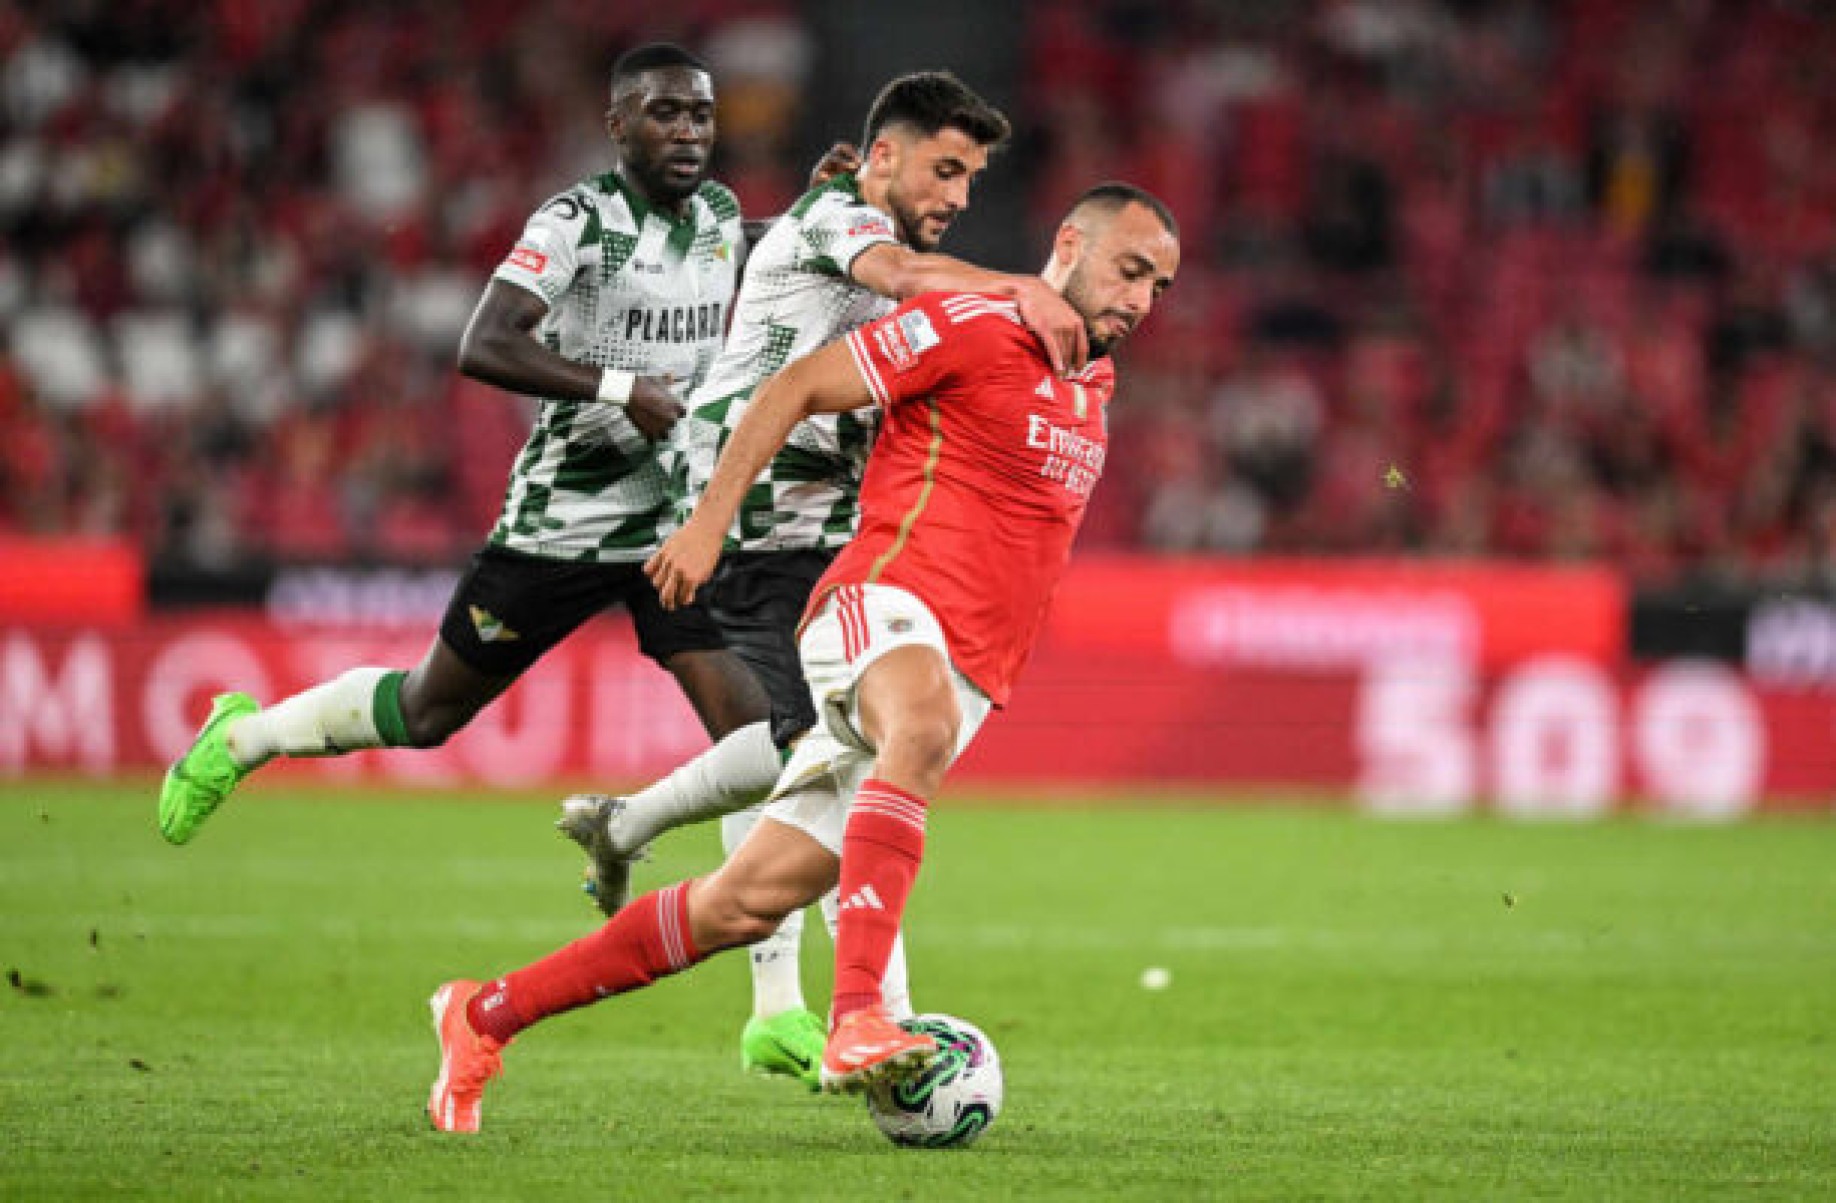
[797,296]
[627,287]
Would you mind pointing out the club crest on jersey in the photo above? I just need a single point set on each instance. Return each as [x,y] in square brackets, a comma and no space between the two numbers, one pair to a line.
[490,627]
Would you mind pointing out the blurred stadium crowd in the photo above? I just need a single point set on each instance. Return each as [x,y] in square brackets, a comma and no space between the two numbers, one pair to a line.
[1464,277]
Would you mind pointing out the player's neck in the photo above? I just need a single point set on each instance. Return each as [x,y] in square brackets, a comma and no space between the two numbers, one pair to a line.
[877,191]
[676,208]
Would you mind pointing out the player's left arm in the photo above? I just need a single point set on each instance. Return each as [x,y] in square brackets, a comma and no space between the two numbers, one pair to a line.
[825,381]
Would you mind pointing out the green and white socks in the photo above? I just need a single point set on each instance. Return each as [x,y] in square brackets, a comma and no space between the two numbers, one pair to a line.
[360,709]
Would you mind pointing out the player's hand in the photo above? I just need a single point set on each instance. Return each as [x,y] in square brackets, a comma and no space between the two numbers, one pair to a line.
[1060,327]
[684,563]
[653,407]
[841,159]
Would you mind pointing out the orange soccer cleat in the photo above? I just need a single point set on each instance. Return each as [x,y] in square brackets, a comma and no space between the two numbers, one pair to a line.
[467,1061]
[866,1046]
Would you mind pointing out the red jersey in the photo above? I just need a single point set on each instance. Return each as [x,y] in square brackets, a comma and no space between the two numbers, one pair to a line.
[980,475]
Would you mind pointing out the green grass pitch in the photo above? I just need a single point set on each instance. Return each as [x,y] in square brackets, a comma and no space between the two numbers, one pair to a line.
[1358,1009]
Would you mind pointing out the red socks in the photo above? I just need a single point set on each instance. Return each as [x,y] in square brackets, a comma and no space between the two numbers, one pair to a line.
[647,940]
[882,847]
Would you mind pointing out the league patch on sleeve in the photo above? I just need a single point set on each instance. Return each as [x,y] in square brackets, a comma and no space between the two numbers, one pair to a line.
[918,331]
[902,340]
[528,258]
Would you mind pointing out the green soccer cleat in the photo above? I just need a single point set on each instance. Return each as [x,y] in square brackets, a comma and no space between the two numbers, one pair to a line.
[198,781]
[788,1043]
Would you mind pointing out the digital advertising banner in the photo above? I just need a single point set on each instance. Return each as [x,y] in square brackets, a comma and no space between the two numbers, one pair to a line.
[1417,688]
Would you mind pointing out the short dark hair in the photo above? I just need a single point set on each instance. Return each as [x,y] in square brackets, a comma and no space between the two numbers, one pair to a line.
[930,101]
[1110,196]
[650,57]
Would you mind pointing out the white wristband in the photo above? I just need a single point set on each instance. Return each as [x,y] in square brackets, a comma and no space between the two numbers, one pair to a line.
[615,386]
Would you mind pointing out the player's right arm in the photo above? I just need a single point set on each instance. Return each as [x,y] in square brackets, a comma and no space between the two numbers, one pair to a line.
[498,348]
[897,271]
[824,381]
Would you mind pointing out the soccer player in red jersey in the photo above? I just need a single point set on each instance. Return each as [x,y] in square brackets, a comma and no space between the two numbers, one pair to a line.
[973,494]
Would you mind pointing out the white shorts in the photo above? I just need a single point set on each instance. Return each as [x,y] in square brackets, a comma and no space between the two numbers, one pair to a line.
[855,627]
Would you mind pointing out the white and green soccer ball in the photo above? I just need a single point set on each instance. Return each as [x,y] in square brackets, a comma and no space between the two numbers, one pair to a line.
[956,1097]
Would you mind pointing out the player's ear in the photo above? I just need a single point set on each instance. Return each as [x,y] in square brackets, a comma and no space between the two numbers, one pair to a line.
[883,155]
[1067,247]
[619,116]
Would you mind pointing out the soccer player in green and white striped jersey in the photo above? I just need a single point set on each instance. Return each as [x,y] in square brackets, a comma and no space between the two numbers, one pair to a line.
[846,252]
[610,307]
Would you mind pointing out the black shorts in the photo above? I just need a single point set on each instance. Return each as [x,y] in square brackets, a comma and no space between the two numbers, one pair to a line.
[757,600]
[510,608]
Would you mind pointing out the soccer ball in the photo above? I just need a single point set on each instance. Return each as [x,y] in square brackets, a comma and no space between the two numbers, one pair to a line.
[953,1101]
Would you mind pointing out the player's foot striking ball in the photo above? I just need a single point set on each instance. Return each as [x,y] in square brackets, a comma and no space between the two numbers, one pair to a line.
[868,1046]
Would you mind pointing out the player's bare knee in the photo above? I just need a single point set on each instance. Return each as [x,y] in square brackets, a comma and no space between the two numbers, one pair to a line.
[922,742]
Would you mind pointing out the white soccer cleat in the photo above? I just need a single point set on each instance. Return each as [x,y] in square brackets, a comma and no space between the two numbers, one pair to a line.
[590,820]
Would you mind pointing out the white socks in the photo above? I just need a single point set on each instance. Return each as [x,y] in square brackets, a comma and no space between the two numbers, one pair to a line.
[736,772]
[777,979]
[326,720]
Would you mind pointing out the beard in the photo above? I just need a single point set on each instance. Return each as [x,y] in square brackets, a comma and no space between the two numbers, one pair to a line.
[1077,295]
[910,222]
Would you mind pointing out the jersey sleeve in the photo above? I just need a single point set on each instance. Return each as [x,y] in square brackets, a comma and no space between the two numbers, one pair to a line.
[837,234]
[915,348]
[547,254]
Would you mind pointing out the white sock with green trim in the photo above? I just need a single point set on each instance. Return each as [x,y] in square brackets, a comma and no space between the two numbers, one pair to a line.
[777,969]
[736,772]
[342,715]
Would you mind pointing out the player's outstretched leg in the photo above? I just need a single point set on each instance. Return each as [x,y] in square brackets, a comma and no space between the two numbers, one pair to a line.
[596,823]
[199,781]
[651,938]
[468,1060]
[735,773]
[360,708]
